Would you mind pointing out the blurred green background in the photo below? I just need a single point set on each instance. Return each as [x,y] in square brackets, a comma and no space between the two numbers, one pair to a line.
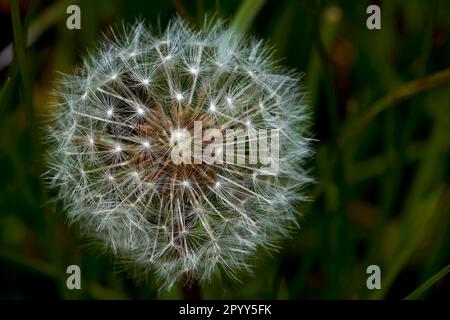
[380,102]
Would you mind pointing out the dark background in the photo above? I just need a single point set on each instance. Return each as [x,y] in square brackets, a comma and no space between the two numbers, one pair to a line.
[382,153]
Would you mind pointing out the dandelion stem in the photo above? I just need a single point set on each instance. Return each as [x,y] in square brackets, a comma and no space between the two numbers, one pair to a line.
[191,289]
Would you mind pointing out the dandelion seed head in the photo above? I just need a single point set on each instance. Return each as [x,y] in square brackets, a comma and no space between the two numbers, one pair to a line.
[111,146]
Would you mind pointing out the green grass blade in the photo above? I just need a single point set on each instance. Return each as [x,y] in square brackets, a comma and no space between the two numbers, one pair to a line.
[3,94]
[407,90]
[409,245]
[22,61]
[48,233]
[245,15]
[330,20]
[427,284]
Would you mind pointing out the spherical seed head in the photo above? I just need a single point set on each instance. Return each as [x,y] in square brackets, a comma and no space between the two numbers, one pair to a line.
[113,129]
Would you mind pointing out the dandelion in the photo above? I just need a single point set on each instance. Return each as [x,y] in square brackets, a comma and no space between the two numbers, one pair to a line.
[110,161]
